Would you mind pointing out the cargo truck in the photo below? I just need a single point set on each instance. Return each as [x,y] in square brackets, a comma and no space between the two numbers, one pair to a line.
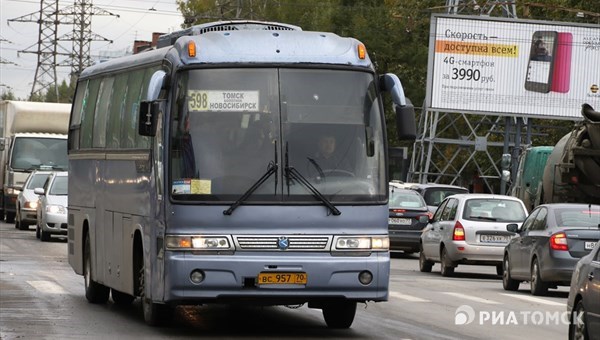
[33,136]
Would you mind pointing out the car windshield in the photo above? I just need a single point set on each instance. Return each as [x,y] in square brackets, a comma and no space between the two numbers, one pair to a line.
[406,199]
[500,210]
[37,181]
[230,126]
[59,186]
[578,216]
[435,196]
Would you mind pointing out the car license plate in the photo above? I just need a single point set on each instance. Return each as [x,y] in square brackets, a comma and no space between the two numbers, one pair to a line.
[493,238]
[590,245]
[403,221]
[282,278]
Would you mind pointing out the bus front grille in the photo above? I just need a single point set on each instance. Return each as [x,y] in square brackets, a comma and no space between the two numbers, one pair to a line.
[278,243]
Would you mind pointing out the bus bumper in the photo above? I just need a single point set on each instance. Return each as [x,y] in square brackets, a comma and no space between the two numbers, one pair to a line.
[234,278]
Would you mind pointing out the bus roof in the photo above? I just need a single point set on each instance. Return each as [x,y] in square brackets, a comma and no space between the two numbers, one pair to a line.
[246,42]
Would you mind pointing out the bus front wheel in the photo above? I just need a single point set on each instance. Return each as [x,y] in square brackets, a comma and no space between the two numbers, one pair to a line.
[154,314]
[94,291]
[339,314]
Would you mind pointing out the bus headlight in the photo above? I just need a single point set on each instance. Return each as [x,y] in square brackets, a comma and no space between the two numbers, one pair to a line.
[367,243]
[198,242]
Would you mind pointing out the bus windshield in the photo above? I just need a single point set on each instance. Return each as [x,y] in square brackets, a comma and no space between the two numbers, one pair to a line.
[230,127]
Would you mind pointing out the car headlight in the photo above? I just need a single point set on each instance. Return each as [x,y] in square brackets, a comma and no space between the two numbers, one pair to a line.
[365,243]
[13,191]
[31,205]
[198,242]
[56,209]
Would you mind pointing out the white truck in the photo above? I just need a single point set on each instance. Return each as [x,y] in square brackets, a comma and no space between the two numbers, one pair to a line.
[33,136]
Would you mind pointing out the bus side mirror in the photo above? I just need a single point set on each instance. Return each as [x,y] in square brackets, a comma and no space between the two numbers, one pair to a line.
[405,121]
[149,111]
[405,111]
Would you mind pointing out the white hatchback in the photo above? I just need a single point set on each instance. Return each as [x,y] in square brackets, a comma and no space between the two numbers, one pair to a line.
[470,229]
[52,206]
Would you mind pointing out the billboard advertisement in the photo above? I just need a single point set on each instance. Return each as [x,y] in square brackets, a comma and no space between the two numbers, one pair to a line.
[504,66]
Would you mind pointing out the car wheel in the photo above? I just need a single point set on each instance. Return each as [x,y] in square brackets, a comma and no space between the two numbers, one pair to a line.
[446,264]
[425,265]
[94,291]
[508,282]
[44,235]
[538,286]
[10,217]
[37,231]
[577,327]
[19,221]
[339,314]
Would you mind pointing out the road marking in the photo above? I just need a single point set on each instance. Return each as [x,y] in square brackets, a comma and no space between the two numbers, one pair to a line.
[472,298]
[534,299]
[407,297]
[47,287]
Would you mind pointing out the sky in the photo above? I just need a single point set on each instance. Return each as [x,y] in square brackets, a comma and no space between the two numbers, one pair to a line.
[137,20]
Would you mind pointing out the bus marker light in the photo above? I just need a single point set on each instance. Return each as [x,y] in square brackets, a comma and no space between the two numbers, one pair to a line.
[191,49]
[362,51]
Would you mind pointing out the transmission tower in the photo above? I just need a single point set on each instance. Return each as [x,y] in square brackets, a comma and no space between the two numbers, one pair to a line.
[46,46]
[82,36]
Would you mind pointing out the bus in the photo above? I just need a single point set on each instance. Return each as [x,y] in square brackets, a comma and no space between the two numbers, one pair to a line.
[194,175]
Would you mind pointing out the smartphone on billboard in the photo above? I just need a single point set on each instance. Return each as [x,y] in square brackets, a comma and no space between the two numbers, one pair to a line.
[541,61]
[561,76]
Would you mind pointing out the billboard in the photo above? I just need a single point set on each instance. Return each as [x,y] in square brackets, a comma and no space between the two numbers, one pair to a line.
[505,66]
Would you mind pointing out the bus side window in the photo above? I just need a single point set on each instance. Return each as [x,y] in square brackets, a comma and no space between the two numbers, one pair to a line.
[132,103]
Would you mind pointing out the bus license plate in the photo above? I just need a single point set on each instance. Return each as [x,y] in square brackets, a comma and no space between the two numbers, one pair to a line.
[590,245]
[282,278]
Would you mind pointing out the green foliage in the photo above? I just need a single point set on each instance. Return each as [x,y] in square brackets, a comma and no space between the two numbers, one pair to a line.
[8,96]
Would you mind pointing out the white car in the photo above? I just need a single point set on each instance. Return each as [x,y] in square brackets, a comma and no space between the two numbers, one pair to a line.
[52,206]
[470,229]
[27,201]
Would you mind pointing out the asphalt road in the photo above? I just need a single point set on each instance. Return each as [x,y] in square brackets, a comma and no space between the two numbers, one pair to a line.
[42,298]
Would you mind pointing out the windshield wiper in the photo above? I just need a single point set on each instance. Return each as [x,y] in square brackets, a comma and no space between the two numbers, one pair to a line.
[270,171]
[292,173]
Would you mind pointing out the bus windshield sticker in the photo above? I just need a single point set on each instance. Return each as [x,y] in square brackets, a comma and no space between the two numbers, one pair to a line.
[219,101]
[182,186]
[191,186]
[200,186]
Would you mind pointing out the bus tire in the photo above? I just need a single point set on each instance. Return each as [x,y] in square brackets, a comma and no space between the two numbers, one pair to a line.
[94,291]
[155,314]
[339,314]
[120,298]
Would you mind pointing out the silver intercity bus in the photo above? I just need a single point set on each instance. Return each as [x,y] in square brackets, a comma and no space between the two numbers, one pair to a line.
[238,162]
